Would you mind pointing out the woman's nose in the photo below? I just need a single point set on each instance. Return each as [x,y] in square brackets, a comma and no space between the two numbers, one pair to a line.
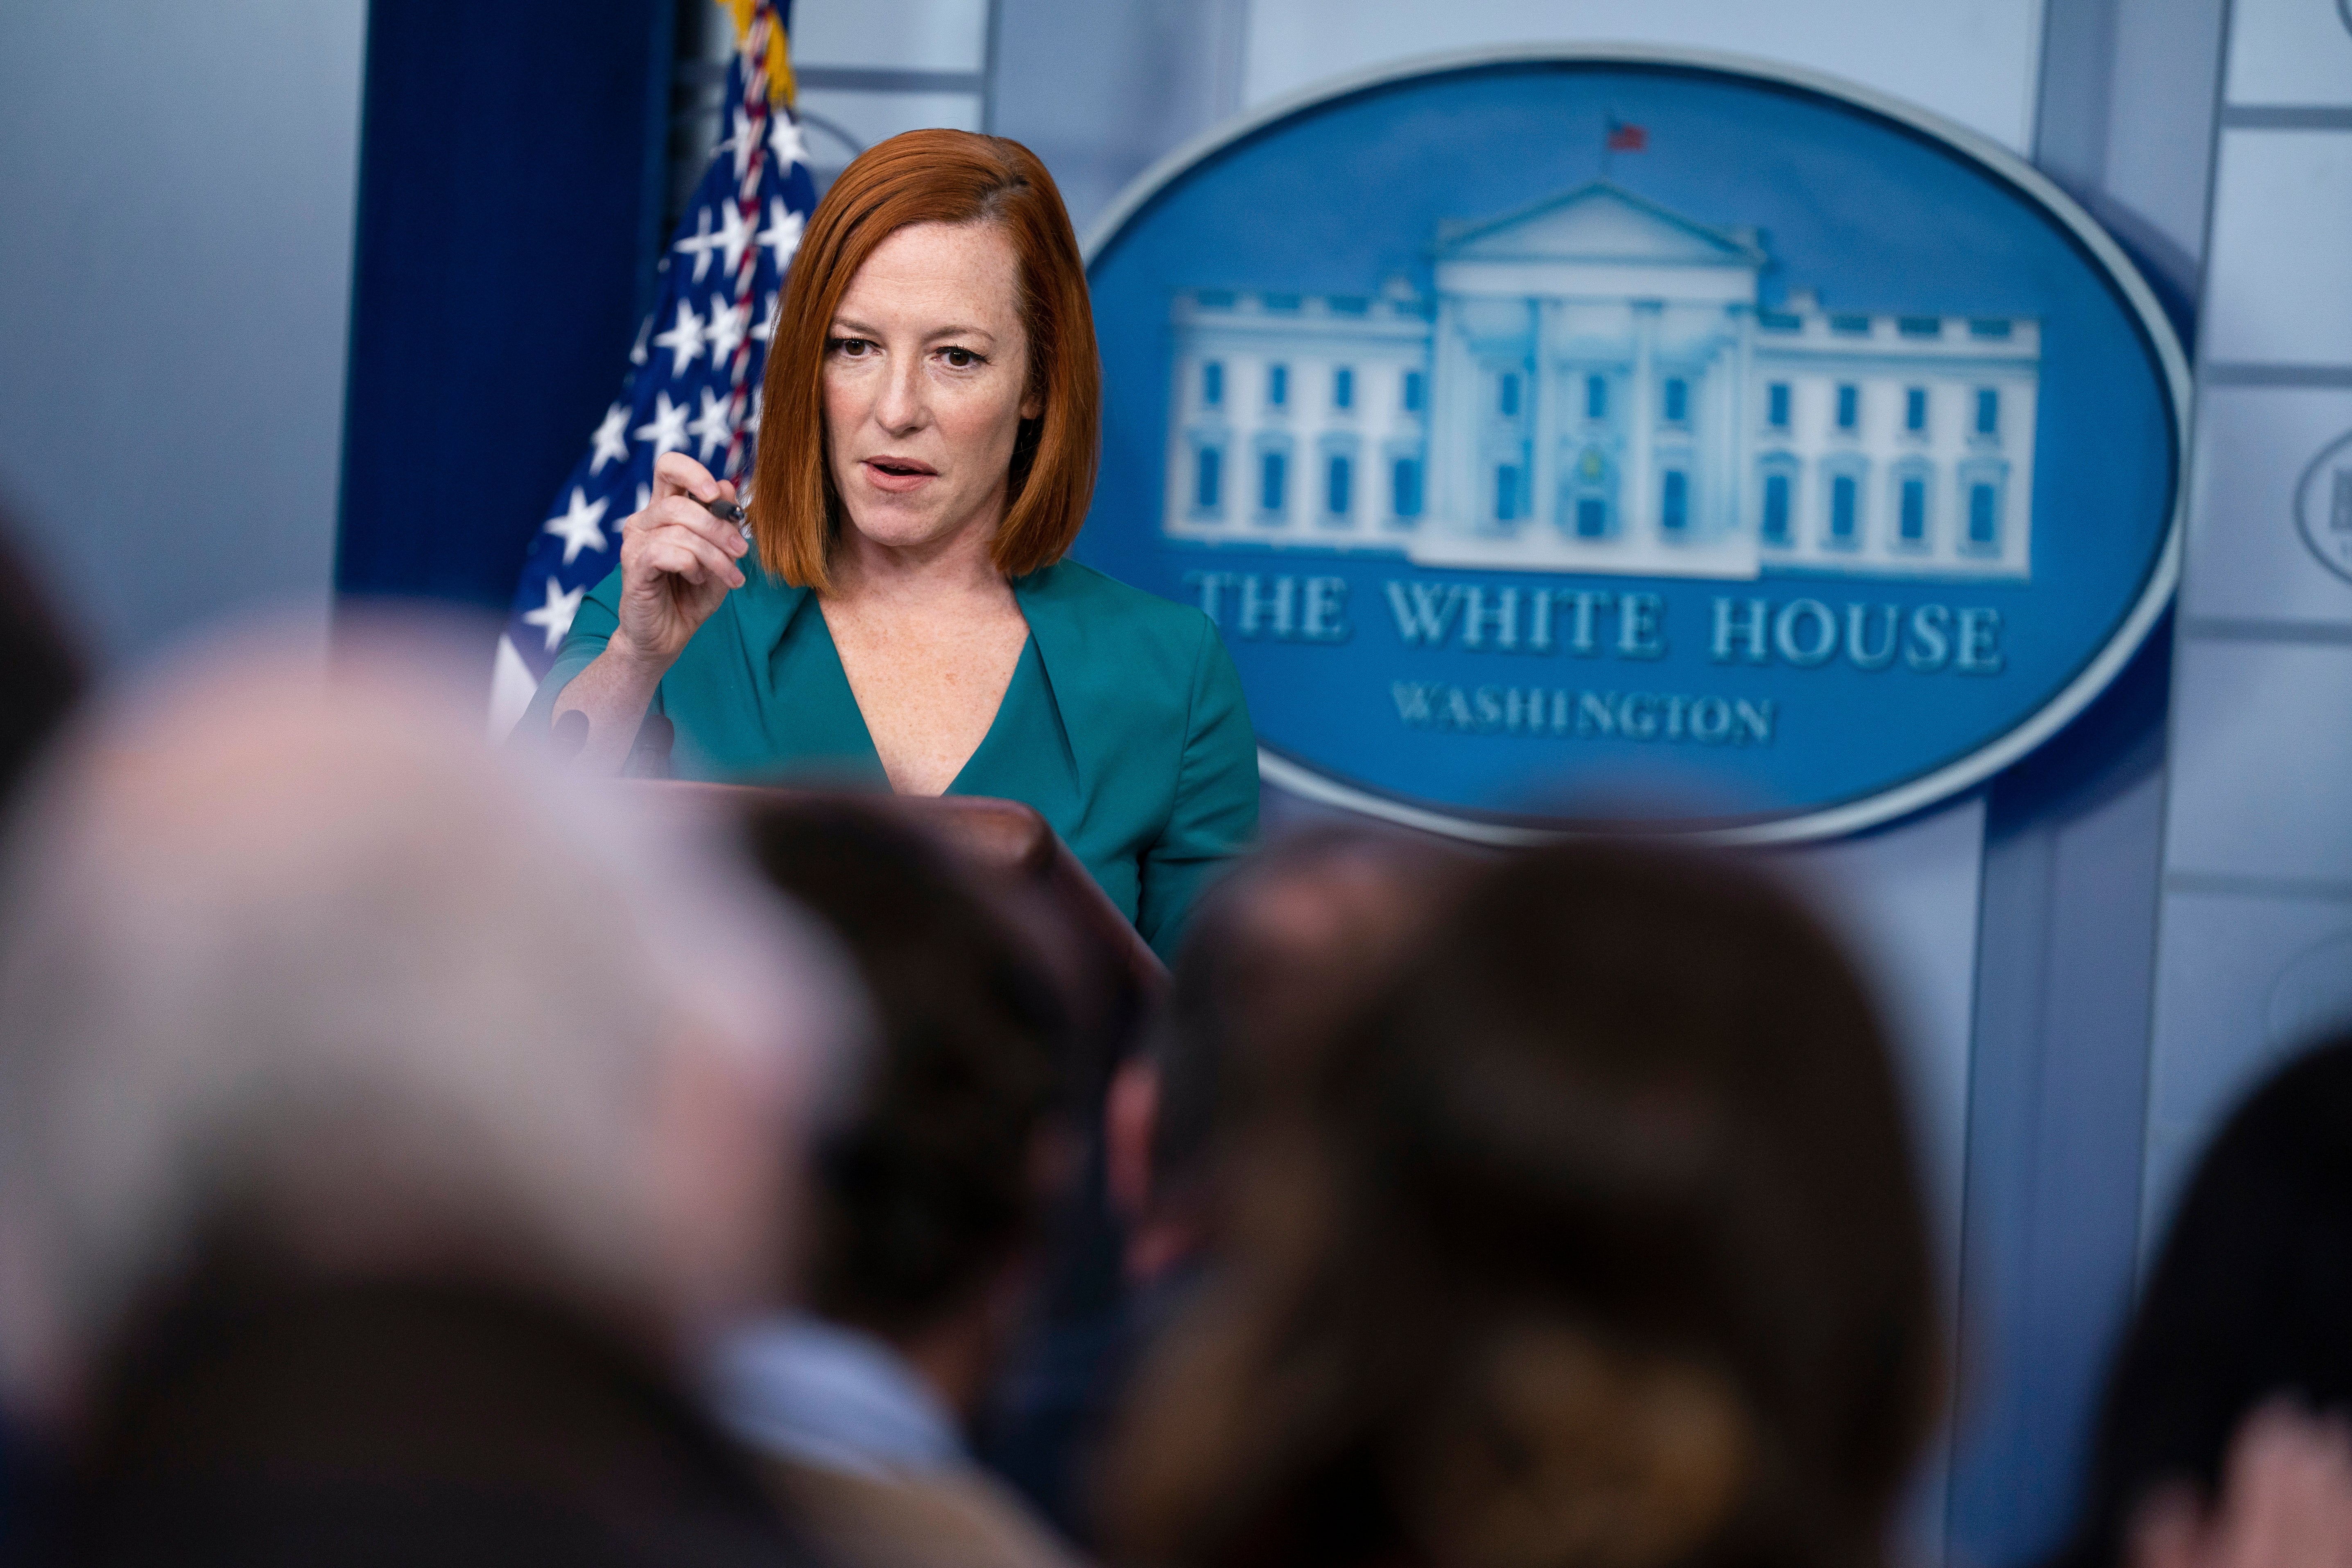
[902,406]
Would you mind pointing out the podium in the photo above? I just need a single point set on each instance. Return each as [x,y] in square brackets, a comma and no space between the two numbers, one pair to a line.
[1007,845]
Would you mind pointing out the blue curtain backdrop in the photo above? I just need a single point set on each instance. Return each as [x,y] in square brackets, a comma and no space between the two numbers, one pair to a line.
[512,165]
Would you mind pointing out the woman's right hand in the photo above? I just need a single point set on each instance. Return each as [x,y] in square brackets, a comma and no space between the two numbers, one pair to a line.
[677,562]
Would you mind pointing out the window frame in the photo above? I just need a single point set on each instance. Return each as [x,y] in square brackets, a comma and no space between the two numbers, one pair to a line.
[1913,477]
[1404,466]
[1975,475]
[1208,479]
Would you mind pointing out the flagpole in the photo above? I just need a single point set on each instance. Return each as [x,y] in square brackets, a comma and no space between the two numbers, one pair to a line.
[757,97]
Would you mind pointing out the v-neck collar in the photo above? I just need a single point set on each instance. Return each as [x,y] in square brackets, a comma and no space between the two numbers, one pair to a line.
[768,623]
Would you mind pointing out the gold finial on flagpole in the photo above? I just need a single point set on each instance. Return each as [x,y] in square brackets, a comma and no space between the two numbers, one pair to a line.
[782,90]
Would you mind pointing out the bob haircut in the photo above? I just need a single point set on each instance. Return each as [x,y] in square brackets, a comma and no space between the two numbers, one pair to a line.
[933,177]
[1563,1250]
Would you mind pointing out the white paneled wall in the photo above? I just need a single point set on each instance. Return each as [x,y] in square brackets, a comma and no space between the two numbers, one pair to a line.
[1974,62]
[176,209]
[871,68]
[2254,449]
[2255,951]
[2289,52]
[2280,292]
[901,35]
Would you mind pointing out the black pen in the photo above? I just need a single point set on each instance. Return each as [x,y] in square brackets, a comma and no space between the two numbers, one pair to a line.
[732,512]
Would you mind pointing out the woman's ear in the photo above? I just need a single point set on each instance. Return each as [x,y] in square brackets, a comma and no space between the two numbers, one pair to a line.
[1033,396]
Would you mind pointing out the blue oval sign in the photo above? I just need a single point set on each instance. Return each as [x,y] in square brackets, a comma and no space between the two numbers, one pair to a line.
[1571,439]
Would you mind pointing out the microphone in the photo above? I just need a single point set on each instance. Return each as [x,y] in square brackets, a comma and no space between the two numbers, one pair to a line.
[649,757]
[568,736]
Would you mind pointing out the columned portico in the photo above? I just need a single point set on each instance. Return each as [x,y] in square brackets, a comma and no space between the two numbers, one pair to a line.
[1641,505]
[1594,385]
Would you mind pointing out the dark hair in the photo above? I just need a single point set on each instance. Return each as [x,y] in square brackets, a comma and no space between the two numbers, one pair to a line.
[2252,1297]
[45,671]
[1600,1243]
[1276,956]
[929,1184]
[933,177]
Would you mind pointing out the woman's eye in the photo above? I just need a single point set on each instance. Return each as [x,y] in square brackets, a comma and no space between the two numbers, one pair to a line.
[961,359]
[855,348]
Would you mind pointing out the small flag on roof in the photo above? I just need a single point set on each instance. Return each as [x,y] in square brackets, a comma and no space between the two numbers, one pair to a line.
[1626,137]
[693,382]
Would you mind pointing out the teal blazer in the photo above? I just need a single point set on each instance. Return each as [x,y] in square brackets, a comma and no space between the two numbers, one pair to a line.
[1124,724]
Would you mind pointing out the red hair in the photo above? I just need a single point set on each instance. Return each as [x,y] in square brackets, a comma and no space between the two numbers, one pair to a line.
[933,177]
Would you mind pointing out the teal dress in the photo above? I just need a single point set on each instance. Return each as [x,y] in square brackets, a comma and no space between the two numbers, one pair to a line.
[1124,724]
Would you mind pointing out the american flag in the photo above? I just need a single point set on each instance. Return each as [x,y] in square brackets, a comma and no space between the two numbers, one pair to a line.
[693,383]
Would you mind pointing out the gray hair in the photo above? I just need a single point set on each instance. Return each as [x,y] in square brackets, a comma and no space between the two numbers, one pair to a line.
[300,952]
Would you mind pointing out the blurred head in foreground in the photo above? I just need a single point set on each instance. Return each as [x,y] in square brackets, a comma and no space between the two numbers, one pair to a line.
[2229,1415]
[1596,1242]
[1278,955]
[302,988]
[930,1193]
[927,1198]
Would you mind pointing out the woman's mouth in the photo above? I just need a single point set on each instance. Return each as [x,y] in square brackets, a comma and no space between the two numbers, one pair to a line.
[897,474]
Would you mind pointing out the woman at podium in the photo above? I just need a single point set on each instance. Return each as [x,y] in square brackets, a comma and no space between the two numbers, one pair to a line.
[901,613]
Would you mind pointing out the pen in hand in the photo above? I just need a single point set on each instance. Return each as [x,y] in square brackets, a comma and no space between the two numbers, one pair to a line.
[730,511]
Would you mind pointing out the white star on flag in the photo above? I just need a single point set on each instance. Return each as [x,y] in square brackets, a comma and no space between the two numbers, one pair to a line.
[699,246]
[556,614]
[683,340]
[752,418]
[767,327]
[579,527]
[735,235]
[725,331]
[637,348]
[782,234]
[710,425]
[611,446]
[645,495]
[667,431]
[784,136]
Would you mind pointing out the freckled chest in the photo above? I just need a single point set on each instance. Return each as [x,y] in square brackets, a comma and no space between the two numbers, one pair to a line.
[929,684]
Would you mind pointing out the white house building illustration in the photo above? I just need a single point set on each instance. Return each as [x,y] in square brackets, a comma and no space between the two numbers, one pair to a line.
[1594,387]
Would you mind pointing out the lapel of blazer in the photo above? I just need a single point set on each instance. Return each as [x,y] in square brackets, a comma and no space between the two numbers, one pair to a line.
[764,608]
[1052,601]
